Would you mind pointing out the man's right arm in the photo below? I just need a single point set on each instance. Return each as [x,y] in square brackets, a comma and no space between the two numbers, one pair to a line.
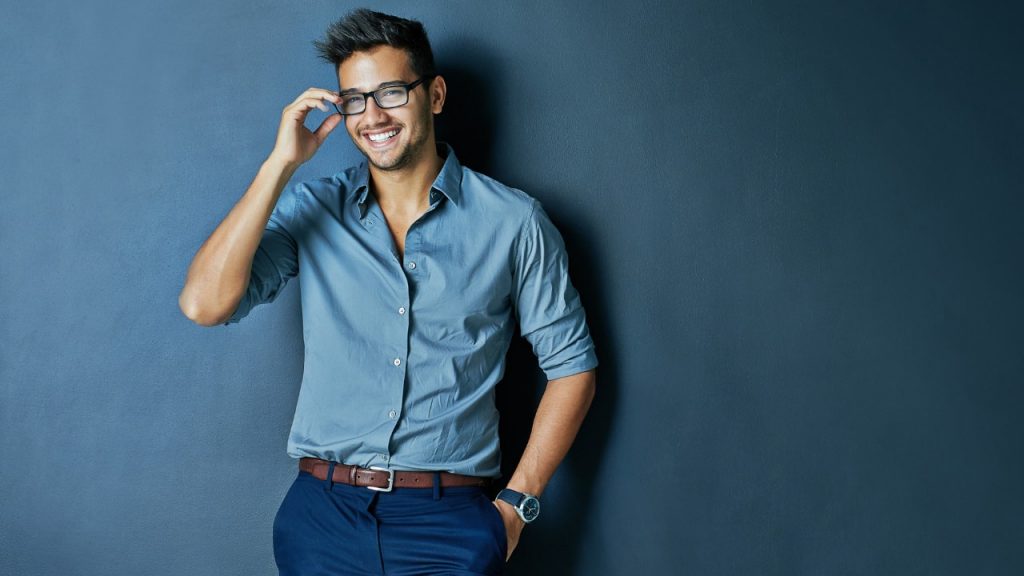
[219,274]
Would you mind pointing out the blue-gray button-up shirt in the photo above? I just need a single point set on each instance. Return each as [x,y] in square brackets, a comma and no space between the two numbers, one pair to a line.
[402,354]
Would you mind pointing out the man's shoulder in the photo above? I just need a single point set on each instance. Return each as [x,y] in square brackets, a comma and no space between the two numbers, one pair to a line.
[490,195]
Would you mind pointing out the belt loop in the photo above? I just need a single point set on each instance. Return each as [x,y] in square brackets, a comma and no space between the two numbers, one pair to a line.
[437,485]
[330,476]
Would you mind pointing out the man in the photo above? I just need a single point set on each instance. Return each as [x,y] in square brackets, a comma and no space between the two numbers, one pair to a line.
[413,269]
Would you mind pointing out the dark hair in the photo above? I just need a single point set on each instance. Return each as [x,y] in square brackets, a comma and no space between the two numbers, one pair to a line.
[364,29]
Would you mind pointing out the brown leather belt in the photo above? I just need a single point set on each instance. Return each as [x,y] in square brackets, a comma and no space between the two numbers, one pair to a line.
[384,479]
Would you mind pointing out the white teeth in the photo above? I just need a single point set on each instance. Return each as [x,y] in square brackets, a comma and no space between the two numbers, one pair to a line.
[383,136]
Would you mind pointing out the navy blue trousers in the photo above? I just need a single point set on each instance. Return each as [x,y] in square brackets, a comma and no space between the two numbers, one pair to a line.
[326,528]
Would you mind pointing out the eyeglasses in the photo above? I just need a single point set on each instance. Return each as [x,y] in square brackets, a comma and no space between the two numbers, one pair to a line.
[386,97]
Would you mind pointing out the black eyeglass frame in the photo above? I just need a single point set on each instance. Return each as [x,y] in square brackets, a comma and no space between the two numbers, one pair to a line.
[408,88]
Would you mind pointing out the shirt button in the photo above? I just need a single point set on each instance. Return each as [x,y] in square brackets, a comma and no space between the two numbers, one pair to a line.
[383,456]
[411,265]
[398,361]
[401,310]
[392,414]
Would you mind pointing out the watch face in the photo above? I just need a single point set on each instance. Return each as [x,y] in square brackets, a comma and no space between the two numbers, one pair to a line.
[531,508]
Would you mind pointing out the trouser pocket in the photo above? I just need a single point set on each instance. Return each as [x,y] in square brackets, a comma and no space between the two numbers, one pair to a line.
[497,525]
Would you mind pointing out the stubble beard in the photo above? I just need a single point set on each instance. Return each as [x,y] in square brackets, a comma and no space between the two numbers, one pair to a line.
[405,156]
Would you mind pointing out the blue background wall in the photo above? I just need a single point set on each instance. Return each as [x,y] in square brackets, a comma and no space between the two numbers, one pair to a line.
[795,228]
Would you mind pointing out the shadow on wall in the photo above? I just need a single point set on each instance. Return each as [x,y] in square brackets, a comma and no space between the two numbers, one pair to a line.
[468,119]
[554,544]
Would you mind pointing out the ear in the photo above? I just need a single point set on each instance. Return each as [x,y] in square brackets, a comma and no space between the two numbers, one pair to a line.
[438,91]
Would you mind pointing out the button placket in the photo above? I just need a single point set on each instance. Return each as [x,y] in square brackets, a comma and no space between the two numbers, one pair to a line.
[408,261]
[399,389]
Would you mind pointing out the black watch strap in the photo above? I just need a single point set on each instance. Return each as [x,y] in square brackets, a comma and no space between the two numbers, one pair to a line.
[511,496]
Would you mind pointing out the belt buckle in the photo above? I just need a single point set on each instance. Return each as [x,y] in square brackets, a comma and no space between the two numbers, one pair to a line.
[391,479]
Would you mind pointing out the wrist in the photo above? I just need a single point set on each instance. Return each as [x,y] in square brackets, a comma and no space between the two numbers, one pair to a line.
[510,509]
[521,483]
[278,164]
[525,505]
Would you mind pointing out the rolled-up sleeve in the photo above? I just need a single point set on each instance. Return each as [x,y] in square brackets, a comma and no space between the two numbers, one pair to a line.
[277,257]
[548,308]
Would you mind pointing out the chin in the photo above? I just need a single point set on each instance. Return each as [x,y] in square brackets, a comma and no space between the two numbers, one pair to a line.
[392,159]
[390,163]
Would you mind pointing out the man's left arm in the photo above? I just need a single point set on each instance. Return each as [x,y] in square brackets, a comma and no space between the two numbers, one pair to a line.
[551,318]
[562,407]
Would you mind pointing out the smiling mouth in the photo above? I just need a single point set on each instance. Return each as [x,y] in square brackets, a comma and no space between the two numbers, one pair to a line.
[382,138]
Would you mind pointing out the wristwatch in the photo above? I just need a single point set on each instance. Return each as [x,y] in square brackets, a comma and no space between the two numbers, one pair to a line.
[527,506]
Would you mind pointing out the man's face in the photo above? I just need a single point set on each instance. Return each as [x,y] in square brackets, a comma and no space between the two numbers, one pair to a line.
[412,124]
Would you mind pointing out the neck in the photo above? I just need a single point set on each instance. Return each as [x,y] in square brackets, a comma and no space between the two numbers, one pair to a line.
[407,189]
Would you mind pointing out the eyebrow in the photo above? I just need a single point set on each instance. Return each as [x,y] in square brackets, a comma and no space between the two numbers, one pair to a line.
[379,86]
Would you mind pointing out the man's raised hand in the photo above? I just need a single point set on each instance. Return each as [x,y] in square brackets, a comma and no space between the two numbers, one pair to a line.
[295,143]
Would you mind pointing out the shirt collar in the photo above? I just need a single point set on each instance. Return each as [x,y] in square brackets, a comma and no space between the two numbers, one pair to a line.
[448,181]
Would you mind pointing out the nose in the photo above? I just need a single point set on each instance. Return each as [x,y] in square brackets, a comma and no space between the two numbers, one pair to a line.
[373,113]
